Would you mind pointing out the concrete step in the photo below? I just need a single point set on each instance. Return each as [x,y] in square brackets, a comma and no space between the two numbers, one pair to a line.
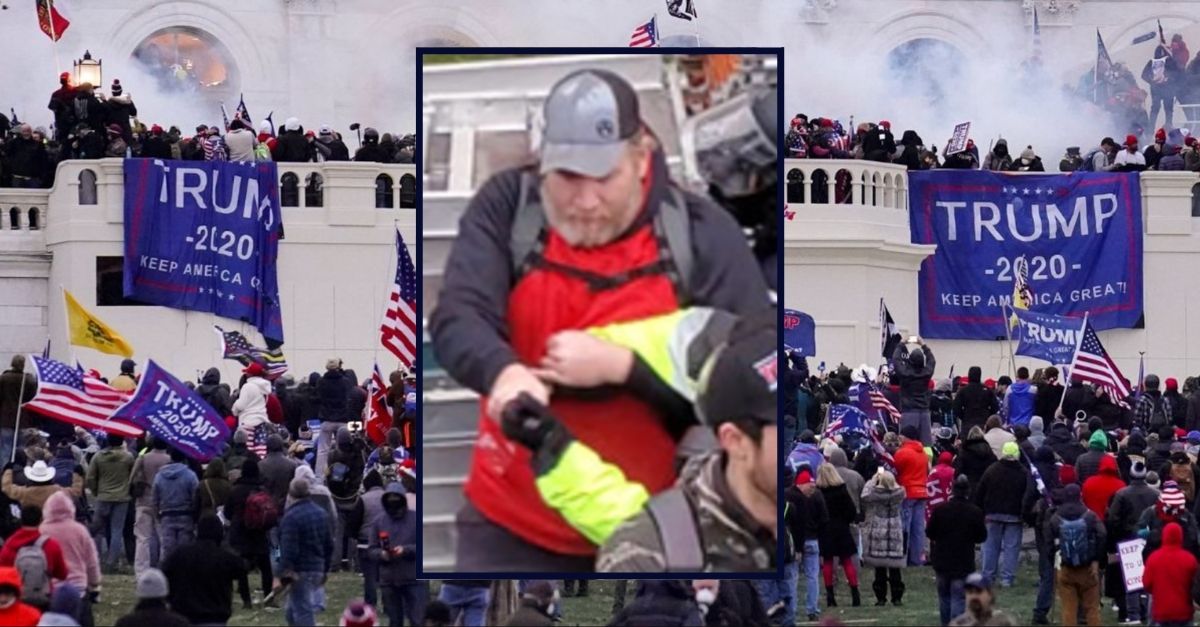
[438,539]
[441,212]
[449,411]
[442,495]
[445,459]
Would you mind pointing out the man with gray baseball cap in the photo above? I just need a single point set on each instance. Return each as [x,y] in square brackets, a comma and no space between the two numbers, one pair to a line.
[596,233]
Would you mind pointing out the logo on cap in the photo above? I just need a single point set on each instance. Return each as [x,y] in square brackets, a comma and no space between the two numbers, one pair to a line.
[768,369]
[604,128]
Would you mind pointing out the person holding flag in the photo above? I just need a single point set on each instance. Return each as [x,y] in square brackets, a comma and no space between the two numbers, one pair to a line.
[16,387]
[913,369]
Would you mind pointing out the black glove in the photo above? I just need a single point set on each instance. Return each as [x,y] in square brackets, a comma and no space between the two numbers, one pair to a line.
[531,424]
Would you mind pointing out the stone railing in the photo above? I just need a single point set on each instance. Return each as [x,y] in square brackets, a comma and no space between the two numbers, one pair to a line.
[846,182]
[23,210]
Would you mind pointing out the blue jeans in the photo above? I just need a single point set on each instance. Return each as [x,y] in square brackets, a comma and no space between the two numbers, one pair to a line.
[173,532]
[772,591]
[912,516]
[952,599]
[1045,591]
[6,443]
[811,561]
[407,599]
[110,523]
[1001,549]
[370,575]
[468,604]
[301,600]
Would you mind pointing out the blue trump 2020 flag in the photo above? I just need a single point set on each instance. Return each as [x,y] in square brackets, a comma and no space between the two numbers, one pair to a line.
[1080,234]
[164,406]
[204,236]
[799,332]
[1046,336]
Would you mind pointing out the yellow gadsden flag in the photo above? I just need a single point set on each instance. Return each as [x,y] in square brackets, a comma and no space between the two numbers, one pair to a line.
[87,330]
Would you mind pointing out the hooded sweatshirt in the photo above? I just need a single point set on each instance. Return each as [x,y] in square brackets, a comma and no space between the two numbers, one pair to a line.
[402,532]
[1018,403]
[251,405]
[213,491]
[201,575]
[854,481]
[1037,432]
[1168,576]
[912,469]
[108,475]
[175,490]
[18,614]
[317,492]
[28,535]
[1099,489]
[78,549]
[211,390]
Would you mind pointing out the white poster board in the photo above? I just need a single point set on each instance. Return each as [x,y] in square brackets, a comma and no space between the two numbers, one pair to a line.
[958,141]
[1130,554]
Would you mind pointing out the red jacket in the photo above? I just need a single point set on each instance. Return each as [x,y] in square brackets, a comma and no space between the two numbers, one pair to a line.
[1168,578]
[28,535]
[18,614]
[912,469]
[1099,489]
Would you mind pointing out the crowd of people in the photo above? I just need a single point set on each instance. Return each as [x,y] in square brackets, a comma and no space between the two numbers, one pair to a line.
[89,124]
[1084,471]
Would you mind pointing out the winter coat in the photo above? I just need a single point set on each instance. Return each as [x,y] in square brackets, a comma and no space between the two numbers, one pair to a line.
[1171,160]
[1037,431]
[277,471]
[805,516]
[1168,577]
[1088,464]
[836,539]
[108,475]
[305,539]
[145,469]
[955,529]
[1002,490]
[214,489]
[974,404]
[882,529]
[291,147]
[997,438]
[973,460]
[1046,403]
[56,563]
[1074,510]
[175,490]
[12,395]
[251,405]
[1153,520]
[1033,165]
[1064,443]
[29,493]
[246,542]
[332,150]
[27,157]
[333,394]
[913,379]
[200,576]
[1077,398]
[1098,490]
[805,454]
[660,602]
[152,613]
[75,541]
[910,156]
[20,614]
[241,143]
[318,493]
[529,614]
[119,110]
[402,533]
[372,152]
[1127,507]
[939,486]
[998,160]
[854,481]
[1179,405]
[156,147]
[912,469]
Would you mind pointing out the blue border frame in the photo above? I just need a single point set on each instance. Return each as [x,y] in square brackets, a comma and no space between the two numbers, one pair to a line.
[418,161]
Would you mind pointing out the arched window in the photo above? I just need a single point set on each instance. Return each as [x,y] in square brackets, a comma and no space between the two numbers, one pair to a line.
[35,222]
[1196,200]
[795,186]
[314,190]
[408,192]
[14,218]
[188,60]
[289,190]
[87,187]
[383,192]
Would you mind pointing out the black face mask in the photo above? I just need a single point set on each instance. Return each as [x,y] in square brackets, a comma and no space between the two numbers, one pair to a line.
[396,507]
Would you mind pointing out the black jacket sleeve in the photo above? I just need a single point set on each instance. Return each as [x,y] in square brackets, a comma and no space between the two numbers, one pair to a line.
[468,324]
[725,274]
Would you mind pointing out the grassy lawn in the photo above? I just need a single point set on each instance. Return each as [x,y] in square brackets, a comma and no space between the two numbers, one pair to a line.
[920,602]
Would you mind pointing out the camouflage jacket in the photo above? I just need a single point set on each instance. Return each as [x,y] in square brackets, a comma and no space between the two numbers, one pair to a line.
[732,540]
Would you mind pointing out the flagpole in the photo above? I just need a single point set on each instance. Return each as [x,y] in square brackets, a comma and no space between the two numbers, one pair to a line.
[1074,355]
[20,404]
[67,324]
[53,34]
[1012,357]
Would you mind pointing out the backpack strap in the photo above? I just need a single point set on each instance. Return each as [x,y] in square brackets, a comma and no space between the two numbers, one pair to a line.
[672,515]
[41,542]
[672,225]
[527,237]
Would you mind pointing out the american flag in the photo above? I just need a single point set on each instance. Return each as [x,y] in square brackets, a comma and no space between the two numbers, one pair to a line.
[235,346]
[257,441]
[80,398]
[881,402]
[398,333]
[379,414]
[645,36]
[1092,363]
[846,419]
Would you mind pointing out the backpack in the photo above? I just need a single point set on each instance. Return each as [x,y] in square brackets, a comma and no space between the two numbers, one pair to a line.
[1160,415]
[339,480]
[261,513]
[34,568]
[274,409]
[1089,163]
[1182,474]
[1075,542]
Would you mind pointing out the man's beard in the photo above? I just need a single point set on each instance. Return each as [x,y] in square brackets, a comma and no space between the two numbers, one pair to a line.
[976,606]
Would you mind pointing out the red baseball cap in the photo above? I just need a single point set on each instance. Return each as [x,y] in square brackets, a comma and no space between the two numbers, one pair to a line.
[1172,383]
[945,457]
[990,384]
[804,477]
[255,369]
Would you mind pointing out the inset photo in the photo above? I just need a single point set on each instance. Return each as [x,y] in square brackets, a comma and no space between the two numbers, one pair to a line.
[599,260]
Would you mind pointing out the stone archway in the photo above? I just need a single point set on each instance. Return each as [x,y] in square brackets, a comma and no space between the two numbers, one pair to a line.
[925,66]
[909,26]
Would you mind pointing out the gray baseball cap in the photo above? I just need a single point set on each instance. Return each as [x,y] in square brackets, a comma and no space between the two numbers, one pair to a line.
[589,114]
